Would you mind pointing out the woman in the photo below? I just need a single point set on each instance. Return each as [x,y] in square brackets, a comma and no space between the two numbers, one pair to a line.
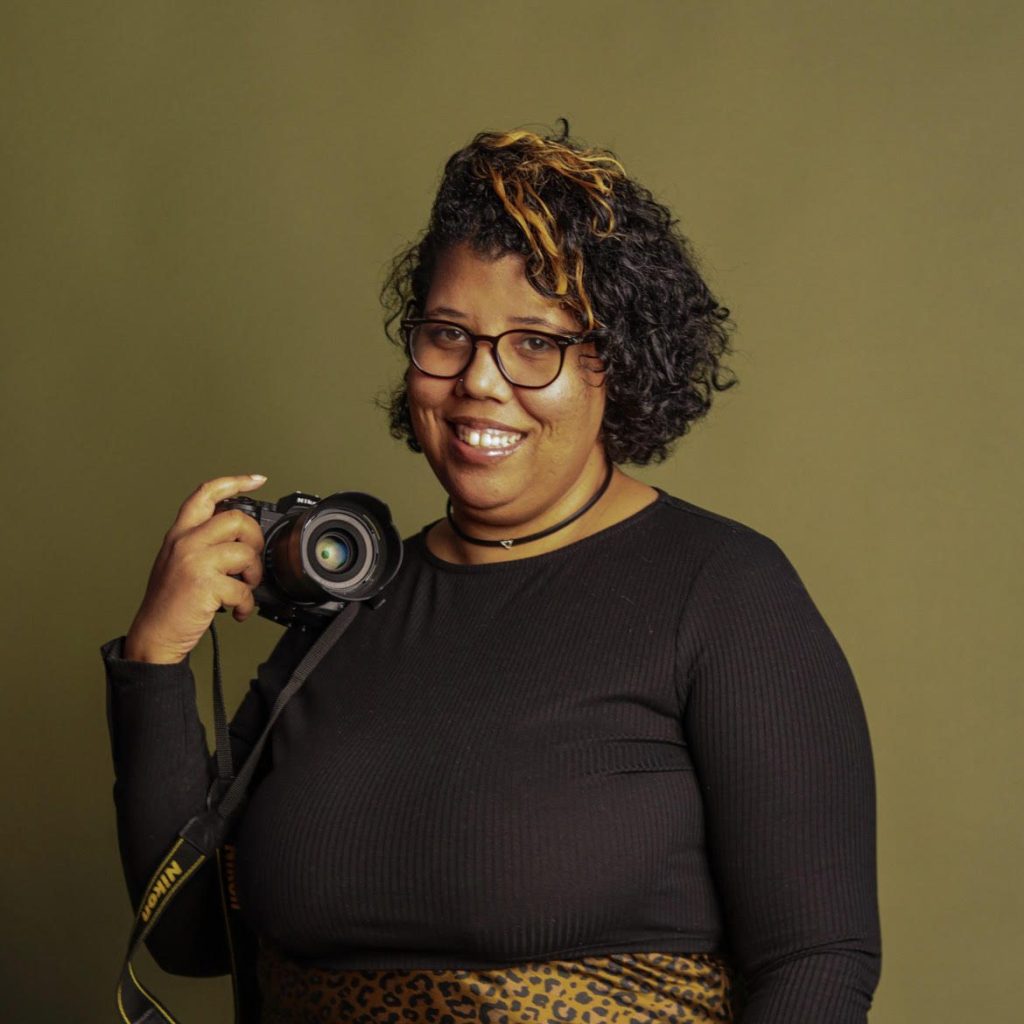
[598,756]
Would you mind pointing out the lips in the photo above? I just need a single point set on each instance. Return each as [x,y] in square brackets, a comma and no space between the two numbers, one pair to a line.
[485,437]
[489,437]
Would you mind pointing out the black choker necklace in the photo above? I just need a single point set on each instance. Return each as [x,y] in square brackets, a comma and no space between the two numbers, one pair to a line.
[515,541]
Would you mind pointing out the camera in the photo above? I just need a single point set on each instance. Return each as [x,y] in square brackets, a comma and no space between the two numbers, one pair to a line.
[320,553]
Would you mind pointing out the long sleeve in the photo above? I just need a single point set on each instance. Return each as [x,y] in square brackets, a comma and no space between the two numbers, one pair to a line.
[162,771]
[780,743]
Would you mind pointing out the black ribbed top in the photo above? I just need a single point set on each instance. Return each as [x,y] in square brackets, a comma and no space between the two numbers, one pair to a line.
[647,740]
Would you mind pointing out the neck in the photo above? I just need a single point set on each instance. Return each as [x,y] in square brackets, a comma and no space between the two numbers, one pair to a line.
[518,539]
[623,497]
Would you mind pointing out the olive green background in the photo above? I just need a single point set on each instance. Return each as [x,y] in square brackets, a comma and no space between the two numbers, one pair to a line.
[198,203]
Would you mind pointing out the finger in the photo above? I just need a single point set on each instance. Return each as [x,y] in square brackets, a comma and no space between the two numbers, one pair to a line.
[242,611]
[235,594]
[232,524]
[245,608]
[237,559]
[198,507]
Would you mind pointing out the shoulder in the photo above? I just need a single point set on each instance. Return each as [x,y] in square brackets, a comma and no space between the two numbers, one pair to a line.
[735,571]
[719,540]
[745,590]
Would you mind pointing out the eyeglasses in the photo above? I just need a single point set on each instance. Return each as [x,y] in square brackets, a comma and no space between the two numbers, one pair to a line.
[526,359]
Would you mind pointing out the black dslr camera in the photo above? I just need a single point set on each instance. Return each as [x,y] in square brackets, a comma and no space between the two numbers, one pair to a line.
[319,554]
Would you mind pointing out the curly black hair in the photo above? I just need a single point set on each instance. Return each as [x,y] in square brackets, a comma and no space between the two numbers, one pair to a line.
[598,241]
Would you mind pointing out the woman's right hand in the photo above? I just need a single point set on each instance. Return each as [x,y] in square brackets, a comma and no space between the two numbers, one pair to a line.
[192,575]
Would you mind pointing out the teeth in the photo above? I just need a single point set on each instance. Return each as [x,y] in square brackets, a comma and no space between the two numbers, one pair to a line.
[485,438]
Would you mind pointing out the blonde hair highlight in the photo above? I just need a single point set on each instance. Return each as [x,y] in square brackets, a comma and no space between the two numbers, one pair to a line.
[517,184]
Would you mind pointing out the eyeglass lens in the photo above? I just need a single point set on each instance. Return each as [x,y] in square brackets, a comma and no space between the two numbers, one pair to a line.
[527,359]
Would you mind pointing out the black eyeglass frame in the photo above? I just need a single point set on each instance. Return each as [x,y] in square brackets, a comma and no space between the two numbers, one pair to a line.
[561,340]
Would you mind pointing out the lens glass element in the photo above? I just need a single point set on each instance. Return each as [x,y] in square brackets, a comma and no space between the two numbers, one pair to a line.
[334,551]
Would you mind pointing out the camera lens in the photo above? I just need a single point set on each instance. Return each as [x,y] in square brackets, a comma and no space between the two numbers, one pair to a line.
[334,551]
[338,549]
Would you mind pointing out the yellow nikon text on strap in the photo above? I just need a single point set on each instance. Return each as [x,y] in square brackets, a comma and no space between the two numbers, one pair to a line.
[160,888]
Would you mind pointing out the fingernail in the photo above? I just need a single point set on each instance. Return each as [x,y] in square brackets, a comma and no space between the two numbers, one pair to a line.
[258,476]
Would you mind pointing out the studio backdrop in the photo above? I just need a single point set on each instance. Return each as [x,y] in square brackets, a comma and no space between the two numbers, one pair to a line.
[199,204]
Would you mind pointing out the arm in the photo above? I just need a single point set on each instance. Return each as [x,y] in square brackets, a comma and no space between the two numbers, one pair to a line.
[162,772]
[781,747]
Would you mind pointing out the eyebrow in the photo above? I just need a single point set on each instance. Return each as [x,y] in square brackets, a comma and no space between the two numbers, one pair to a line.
[530,321]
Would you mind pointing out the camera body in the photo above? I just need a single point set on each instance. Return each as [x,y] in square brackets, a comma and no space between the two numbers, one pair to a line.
[320,553]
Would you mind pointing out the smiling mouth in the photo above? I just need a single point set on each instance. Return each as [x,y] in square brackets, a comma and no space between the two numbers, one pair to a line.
[488,438]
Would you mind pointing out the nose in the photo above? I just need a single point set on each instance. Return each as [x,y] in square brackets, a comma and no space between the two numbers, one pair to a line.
[482,378]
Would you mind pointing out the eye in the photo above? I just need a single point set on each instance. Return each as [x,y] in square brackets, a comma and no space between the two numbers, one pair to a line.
[445,335]
[535,346]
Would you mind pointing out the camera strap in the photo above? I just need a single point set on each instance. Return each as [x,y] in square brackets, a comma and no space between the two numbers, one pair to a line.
[202,838]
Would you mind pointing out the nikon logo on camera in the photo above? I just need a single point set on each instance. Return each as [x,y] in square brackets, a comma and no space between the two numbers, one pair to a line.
[160,888]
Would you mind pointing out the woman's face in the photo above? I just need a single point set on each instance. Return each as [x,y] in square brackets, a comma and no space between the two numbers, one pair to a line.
[551,458]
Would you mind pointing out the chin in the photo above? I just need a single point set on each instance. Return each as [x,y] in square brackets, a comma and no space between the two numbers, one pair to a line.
[478,494]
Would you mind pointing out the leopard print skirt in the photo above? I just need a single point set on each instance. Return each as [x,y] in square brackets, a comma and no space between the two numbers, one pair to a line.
[619,988]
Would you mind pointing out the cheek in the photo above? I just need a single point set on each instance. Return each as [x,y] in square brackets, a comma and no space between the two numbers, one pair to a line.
[573,413]
[424,396]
